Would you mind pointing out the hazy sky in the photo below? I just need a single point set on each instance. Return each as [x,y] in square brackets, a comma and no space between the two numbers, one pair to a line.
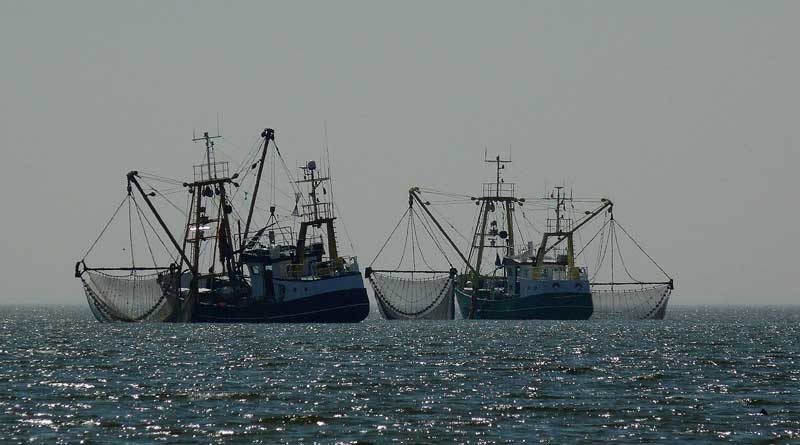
[685,113]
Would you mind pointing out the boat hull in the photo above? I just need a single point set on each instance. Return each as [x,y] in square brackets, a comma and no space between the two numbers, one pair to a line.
[339,306]
[541,306]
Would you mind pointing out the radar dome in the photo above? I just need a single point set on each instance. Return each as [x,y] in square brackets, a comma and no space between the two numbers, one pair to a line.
[312,165]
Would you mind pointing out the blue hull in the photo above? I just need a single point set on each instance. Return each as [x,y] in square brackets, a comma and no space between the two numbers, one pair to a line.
[552,306]
[343,306]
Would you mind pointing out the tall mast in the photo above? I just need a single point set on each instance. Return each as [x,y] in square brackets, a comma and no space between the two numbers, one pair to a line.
[268,134]
[320,213]
[210,180]
[497,192]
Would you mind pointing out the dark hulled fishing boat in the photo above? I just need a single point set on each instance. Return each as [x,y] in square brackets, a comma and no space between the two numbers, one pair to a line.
[504,281]
[221,275]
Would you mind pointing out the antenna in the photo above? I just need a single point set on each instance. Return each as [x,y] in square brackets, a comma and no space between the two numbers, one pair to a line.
[501,165]
[328,156]
[218,133]
[209,152]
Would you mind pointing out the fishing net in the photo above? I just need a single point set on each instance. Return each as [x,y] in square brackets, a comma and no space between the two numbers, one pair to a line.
[133,297]
[630,303]
[402,296]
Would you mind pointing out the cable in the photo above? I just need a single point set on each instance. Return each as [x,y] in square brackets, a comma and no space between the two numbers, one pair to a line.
[144,232]
[105,227]
[640,248]
[390,237]
[619,253]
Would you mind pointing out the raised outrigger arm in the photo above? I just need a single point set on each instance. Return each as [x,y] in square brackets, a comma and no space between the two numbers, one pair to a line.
[568,235]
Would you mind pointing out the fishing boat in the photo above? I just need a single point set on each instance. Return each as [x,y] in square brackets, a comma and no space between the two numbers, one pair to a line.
[220,271]
[500,279]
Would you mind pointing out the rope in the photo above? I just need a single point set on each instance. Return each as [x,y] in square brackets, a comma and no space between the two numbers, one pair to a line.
[165,198]
[390,237]
[405,243]
[155,232]
[426,226]
[640,248]
[413,244]
[344,226]
[160,178]
[441,215]
[421,254]
[105,227]
[622,260]
[593,238]
[130,231]
[144,232]
[295,188]
[601,259]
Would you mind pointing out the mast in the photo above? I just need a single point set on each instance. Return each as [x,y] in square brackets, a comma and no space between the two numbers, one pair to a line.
[482,236]
[568,235]
[211,178]
[198,215]
[318,213]
[268,134]
[497,192]
[510,224]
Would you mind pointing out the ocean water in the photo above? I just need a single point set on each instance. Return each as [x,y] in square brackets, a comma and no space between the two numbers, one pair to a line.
[703,375]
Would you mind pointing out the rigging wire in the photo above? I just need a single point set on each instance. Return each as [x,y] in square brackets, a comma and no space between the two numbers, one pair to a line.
[405,243]
[592,239]
[130,232]
[413,245]
[400,221]
[155,177]
[643,251]
[441,215]
[603,249]
[248,159]
[143,214]
[105,227]
[441,193]
[515,222]
[344,226]
[165,198]
[622,260]
[144,232]
[295,187]
[429,230]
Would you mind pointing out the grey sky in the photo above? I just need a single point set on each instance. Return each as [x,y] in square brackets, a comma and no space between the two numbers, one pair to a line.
[685,113]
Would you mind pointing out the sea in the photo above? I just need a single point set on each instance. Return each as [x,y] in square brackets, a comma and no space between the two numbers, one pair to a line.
[703,375]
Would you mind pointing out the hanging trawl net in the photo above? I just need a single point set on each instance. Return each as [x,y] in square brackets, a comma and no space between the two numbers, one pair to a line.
[406,296]
[628,303]
[132,297]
